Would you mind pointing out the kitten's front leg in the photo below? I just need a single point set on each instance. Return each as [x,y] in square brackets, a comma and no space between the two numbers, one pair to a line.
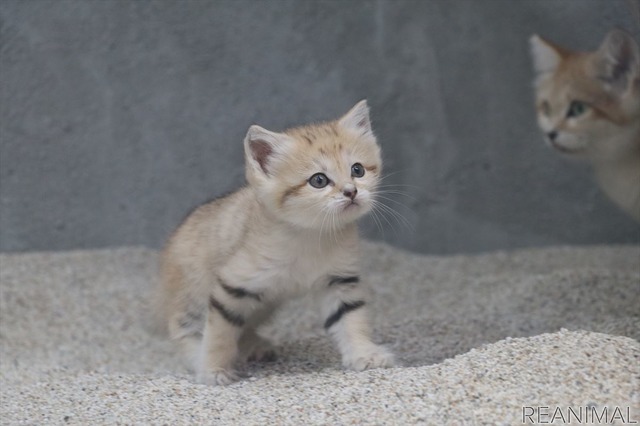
[219,346]
[346,321]
[230,311]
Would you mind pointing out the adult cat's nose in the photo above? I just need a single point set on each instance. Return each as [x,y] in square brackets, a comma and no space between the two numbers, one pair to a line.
[350,191]
[552,135]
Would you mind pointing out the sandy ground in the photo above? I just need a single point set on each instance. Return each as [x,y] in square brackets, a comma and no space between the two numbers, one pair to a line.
[481,340]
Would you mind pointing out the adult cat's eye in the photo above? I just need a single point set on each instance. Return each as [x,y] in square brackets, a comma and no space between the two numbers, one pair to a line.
[576,108]
[546,109]
[357,170]
[319,180]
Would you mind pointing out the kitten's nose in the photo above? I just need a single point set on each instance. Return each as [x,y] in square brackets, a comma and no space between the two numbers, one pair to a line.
[552,135]
[350,191]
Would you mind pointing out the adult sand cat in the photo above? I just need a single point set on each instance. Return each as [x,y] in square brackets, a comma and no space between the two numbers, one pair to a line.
[290,230]
[588,105]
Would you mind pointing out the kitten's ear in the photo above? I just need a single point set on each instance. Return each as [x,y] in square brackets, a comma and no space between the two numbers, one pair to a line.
[262,147]
[617,60]
[546,55]
[357,119]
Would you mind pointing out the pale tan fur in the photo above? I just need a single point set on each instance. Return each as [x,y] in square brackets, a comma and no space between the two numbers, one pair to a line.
[607,131]
[273,239]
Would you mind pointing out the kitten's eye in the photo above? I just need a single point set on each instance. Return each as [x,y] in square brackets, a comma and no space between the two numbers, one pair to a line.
[576,108]
[319,180]
[357,170]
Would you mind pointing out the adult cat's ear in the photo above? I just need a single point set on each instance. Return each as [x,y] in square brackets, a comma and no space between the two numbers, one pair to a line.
[262,147]
[357,119]
[546,55]
[617,60]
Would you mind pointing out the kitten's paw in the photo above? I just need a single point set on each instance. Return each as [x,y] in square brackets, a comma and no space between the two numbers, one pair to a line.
[217,377]
[374,357]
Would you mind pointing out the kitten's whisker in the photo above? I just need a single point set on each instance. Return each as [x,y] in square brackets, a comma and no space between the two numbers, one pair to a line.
[334,226]
[318,213]
[395,214]
[388,175]
[394,192]
[325,210]
[374,216]
[377,209]
[398,185]
[392,200]
[392,225]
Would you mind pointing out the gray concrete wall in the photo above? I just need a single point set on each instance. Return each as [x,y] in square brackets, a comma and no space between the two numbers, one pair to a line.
[118,116]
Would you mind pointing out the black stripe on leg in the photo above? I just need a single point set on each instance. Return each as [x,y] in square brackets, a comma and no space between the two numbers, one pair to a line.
[239,292]
[334,279]
[346,307]
[232,317]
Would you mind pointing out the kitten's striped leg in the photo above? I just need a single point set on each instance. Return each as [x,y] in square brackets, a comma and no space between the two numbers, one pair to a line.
[346,321]
[228,311]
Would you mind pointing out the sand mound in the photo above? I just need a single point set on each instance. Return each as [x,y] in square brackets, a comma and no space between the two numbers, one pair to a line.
[482,339]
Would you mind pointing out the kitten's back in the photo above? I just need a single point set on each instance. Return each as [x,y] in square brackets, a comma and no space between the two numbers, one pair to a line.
[190,248]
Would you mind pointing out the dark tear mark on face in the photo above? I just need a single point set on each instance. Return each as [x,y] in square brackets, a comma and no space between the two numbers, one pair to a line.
[261,152]
[292,191]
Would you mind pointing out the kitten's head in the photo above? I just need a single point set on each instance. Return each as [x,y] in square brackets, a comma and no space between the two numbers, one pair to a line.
[318,176]
[585,100]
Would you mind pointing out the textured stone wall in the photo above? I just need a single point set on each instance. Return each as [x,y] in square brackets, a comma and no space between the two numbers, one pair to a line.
[117,117]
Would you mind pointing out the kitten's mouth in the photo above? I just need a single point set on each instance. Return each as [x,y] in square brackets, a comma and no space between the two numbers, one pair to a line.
[351,206]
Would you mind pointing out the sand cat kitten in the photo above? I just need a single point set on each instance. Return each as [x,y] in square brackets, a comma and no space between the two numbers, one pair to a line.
[290,230]
[588,105]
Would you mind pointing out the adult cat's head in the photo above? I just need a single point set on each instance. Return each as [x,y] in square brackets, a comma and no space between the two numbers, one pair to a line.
[319,176]
[588,103]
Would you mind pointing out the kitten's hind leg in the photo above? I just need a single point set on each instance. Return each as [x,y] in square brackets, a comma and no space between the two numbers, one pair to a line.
[347,323]
[256,348]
